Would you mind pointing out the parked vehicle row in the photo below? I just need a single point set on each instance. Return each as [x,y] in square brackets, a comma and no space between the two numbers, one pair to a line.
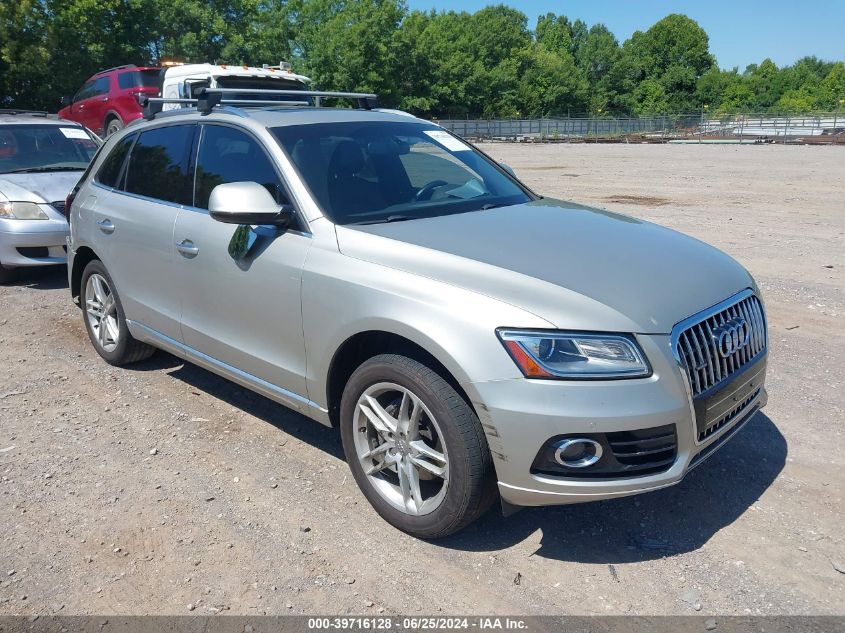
[112,98]
[470,339]
[41,159]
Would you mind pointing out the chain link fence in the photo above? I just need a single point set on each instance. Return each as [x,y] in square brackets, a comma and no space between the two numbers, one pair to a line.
[823,128]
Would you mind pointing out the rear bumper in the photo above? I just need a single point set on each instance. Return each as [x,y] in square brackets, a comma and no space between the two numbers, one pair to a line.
[32,242]
[519,416]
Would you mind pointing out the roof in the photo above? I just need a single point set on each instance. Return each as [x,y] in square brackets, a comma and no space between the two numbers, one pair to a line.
[274,116]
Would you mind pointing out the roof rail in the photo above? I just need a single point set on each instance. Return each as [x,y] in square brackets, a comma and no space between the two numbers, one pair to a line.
[108,70]
[19,111]
[208,98]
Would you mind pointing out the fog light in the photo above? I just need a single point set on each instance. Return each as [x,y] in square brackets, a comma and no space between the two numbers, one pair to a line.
[578,452]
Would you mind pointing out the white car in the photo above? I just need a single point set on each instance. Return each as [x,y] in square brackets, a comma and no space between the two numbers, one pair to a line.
[41,159]
[183,81]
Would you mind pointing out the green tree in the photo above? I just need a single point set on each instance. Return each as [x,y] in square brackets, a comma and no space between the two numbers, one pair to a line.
[554,32]
[674,53]
[23,48]
[832,89]
[349,44]
[550,84]
[598,57]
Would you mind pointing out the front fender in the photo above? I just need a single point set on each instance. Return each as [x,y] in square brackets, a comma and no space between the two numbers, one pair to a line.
[343,296]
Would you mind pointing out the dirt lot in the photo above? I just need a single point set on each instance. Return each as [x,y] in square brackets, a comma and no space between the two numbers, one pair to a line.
[164,489]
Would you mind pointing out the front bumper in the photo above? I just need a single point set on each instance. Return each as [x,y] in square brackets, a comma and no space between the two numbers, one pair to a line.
[519,416]
[32,242]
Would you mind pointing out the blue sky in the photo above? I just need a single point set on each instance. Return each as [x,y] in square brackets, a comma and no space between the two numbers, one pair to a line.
[741,31]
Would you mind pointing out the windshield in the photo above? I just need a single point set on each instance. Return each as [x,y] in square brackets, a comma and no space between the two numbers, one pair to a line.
[31,148]
[379,171]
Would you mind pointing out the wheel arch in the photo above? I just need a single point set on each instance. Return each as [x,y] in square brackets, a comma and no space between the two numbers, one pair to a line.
[360,347]
[111,114]
[83,256]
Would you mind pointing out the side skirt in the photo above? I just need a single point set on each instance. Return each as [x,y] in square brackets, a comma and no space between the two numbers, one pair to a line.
[274,392]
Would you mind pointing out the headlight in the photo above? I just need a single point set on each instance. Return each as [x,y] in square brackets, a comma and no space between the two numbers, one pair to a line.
[575,355]
[21,211]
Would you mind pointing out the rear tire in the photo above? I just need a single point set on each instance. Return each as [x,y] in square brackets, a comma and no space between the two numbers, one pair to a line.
[430,434]
[105,319]
[113,125]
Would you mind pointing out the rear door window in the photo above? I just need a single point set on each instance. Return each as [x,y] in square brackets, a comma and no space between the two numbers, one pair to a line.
[158,165]
[230,155]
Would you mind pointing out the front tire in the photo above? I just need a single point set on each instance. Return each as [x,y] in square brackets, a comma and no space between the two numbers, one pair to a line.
[415,447]
[105,319]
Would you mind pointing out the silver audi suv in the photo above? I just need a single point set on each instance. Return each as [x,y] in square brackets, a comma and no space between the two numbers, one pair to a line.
[471,340]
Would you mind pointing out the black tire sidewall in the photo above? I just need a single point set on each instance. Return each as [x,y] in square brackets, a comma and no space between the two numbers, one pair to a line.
[118,354]
[453,512]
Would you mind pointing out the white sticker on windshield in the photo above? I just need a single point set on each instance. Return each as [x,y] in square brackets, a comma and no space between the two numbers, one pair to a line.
[75,132]
[448,141]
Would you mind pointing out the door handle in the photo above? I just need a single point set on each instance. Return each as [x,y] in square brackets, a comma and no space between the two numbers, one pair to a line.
[106,226]
[187,248]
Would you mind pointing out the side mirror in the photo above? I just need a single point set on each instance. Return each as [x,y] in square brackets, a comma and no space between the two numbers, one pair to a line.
[508,169]
[65,101]
[247,203]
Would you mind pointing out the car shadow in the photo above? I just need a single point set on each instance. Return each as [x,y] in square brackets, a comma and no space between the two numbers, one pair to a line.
[284,419]
[42,278]
[654,525]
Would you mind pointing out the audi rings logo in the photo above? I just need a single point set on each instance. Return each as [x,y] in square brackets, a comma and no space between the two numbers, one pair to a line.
[732,336]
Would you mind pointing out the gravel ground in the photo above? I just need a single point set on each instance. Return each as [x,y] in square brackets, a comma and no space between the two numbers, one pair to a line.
[164,489]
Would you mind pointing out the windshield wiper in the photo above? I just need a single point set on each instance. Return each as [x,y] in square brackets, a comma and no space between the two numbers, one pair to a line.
[390,218]
[490,205]
[30,170]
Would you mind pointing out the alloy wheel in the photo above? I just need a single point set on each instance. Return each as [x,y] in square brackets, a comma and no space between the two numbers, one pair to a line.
[102,312]
[400,448]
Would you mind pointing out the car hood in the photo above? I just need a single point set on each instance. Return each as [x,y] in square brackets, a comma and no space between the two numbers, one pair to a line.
[576,267]
[43,187]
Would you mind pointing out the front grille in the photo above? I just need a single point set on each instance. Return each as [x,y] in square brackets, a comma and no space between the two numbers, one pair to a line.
[729,417]
[698,346]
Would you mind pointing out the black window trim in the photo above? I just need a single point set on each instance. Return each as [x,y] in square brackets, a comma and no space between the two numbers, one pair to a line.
[303,226]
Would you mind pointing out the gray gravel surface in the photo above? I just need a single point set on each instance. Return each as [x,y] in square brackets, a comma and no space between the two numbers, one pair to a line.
[165,489]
